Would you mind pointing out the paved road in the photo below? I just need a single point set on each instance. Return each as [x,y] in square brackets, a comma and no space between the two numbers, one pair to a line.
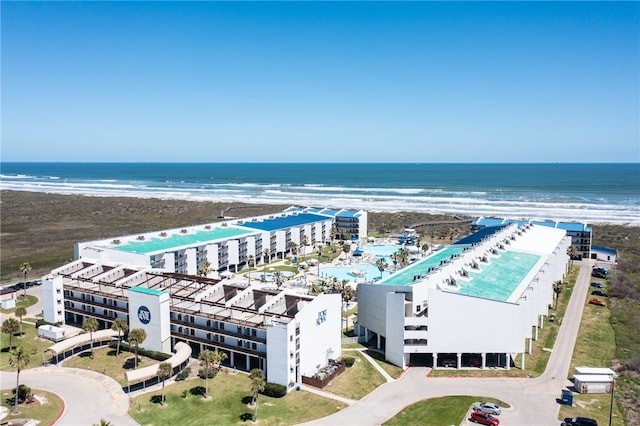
[532,401]
[88,396]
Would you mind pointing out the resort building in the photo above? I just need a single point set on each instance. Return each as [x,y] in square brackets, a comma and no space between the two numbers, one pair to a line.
[287,335]
[171,284]
[347,224]
[604,253]
[580,233]
[475,303]
[213,248]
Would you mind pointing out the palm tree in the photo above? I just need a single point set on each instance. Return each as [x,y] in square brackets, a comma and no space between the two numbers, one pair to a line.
[251,261]
[403,256]
[293,247]
[164,370]
[425,249]
[25,268]
[137,336]
[347,293]
[572,252]
[204,269]
[18,359]
[305,242]
[208,359]
[346,248]
[381,264]
[120,325]
[277,276]
[258,382]
[557,289]
[20,312]
[90,325]
[103,422]
[10,326]
[265,257]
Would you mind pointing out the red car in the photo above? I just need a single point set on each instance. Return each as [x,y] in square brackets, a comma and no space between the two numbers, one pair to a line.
[484,418]
[595,301]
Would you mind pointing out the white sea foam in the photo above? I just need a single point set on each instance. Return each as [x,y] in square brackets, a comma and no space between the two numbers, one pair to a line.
[466,203]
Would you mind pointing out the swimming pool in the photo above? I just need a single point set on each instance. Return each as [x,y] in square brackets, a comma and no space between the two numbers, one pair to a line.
[359,272]
[380,250]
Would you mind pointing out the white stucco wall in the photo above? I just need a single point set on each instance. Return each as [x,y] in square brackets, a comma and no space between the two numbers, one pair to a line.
[320,332]
[52,292]
[158,327]
[459,323]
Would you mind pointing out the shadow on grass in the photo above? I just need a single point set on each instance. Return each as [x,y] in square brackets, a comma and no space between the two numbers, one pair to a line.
[247,399]
[130,363]
[197,391]
[246,417]
[156,399]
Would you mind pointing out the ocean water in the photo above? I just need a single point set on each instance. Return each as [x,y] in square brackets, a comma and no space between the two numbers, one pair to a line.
[592,193]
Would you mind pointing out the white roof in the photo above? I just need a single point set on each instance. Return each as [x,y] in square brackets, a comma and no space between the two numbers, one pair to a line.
[74,341]
[594,370]
[599,378]
[183,352]
[538,239]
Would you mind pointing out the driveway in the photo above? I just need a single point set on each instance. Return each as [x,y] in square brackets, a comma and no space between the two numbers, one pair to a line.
[532,401]
[88,396]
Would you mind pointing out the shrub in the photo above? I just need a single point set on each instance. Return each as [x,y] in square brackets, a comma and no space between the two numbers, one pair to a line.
[158,356]
[24,393]
[211,375]
[348,360]
[183,374]
[274,390]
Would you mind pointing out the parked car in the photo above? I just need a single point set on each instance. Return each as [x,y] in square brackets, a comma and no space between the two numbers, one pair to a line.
[484,418]
[596,301]
[449,362]
[474,361]
[599,293]
[599,273]
[579,421]
[597,285]
[488,407]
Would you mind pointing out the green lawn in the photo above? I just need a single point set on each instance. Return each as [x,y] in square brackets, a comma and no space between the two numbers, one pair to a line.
[228,405]
[105,362]
[22,301]
[595,347]
[450,410]
[356,381]
[30,341]
[392,370]
[45,408]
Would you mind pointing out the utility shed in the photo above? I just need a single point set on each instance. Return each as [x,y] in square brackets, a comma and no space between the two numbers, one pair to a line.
[595,370]
[593,383]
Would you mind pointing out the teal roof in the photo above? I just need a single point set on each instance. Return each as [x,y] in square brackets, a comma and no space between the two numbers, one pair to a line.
[176,241]
[146,290]
[499,279]
[407,275]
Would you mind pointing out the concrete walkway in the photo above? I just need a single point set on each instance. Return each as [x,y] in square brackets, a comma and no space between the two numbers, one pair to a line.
[532,401]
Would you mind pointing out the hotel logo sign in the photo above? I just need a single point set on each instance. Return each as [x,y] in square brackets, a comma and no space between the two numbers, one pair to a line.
[322,317]
[144,315]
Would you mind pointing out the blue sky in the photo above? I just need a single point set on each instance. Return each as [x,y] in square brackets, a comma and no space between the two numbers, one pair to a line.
[337,82]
